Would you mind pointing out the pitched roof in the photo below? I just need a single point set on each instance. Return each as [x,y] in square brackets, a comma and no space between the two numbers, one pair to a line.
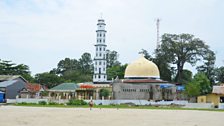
[218,90]
[34,87]
[65,87]
[11,77]
[7,83]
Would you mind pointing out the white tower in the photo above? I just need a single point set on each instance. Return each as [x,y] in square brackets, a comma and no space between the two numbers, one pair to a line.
[100,62]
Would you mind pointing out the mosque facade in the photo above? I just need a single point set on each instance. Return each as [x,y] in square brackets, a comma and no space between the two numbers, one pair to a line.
[142,82]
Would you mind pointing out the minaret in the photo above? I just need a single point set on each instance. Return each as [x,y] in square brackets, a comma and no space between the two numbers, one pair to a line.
[100,62]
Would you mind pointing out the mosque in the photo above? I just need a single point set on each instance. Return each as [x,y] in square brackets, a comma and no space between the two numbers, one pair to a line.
[142,79]
[142,82]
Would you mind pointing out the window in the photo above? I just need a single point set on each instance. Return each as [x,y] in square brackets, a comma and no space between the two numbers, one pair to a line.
[96,63]
[100,35]
[96,48]
[96,54]
[104,40]
[100,63]
[100,54]
[100,49]
[104,76]
[103,35]
[99,76]
[100,40]
[95,69]
[104,49]
[104,63]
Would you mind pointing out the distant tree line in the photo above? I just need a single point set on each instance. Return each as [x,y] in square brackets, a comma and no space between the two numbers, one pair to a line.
[171,56]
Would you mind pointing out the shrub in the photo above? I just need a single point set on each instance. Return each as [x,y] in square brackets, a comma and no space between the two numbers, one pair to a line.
[53,103]
[42,102]
[76,102]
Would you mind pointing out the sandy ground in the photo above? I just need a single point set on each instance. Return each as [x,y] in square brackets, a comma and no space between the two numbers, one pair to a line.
[35,116]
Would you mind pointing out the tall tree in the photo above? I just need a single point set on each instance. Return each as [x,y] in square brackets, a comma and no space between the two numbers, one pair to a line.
[116,71]
[48,79]
[220,74]
[112,58]
[200,85]
[86,63]
[209,66]
[181,49]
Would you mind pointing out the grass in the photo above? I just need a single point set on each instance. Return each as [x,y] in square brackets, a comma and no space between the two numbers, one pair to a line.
[122,106]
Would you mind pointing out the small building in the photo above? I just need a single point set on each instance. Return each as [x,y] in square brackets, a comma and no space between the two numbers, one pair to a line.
[85,91]
[32,91]
[63,91]
[12,88]
[216,97]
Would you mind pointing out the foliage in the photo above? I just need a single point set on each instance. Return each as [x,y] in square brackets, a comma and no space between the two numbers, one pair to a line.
[219,73]
[44,93]
[53,103]
[9,68]
[48,79]
[112,58]
[187,77]
[42,103]
[200,85]
[116,71]
[76,102]
[104,92]
[166,71]
[181,49]
[209,66]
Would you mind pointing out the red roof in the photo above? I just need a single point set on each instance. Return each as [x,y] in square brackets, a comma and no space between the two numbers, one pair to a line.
[143,81]
[86,86]
[33,87]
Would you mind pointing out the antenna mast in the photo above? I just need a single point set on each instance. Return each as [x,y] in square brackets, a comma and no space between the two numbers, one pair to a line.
[157,28]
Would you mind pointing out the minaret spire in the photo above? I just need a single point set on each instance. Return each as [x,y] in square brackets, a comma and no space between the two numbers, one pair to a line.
[100,62]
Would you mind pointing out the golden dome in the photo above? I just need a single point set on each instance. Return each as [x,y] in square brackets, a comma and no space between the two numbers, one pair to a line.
[142,68]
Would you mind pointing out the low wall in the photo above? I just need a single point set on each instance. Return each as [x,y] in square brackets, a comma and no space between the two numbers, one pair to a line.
[137,102]
[221,105]
[199,105]
[30,100]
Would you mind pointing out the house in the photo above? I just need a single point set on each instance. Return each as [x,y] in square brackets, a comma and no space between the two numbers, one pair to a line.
[32,91]
[216,97]
[12,88]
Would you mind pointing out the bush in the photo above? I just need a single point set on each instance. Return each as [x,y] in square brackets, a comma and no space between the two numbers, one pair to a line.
[53,103]
[42,103]
[76,102]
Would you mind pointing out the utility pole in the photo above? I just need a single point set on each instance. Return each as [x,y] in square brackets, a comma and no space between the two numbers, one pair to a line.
[157,28]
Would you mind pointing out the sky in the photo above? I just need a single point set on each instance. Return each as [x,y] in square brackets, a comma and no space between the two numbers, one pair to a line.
[40,33]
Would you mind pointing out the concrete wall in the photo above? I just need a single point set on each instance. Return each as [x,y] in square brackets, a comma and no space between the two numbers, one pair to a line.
[142,91]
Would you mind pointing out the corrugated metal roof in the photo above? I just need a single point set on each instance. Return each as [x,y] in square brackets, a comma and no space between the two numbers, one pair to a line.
[218,90]
[11,77]
[7,83]
[65,87]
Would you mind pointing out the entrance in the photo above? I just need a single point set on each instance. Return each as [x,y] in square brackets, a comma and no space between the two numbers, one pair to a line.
[221,99]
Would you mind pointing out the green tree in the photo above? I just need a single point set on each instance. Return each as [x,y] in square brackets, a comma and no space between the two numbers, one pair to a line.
[116,71]
[220,74]
[200,85]
[166,71]
[9,68]
[104,93]
[48,79]
[187,76]
[112,58]
[181,49]
[86,63]
[209,66]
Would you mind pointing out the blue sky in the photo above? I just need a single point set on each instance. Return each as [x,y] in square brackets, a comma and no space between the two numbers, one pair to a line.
[39,33]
